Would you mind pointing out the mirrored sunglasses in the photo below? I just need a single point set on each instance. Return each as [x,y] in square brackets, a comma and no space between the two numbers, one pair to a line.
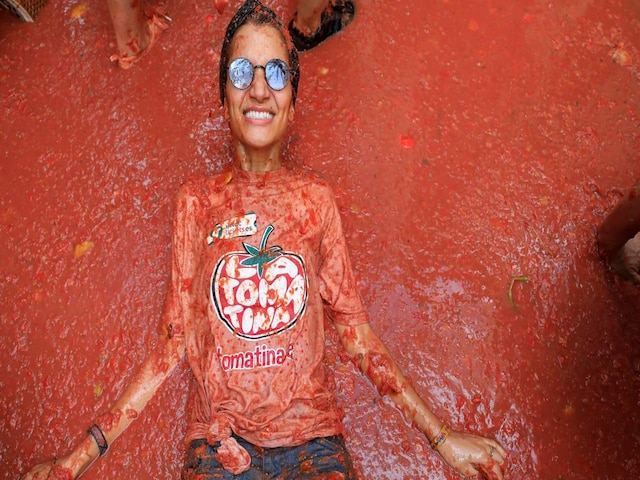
[241,72]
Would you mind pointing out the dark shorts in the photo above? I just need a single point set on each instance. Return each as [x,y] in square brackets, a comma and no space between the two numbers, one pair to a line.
[321,458]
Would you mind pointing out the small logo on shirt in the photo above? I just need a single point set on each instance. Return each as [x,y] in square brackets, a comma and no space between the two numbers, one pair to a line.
[259,292]
[244,226]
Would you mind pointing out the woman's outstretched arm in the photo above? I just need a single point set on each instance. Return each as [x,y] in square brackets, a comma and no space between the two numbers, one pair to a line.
[152,374]
[468,454]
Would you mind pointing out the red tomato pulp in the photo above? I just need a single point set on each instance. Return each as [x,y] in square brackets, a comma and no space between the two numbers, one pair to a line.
[469,143]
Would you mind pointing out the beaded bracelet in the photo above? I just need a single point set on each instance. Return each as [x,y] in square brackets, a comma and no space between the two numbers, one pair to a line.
[98,435]
[441,437]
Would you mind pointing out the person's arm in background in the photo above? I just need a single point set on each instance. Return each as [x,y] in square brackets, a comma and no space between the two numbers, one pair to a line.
[468,454]
[154,371]
[619,235]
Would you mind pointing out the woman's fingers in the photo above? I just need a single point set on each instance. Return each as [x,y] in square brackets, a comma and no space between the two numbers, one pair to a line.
[491,471]
[495,462]
[498,447]
[470,471]
[39,472]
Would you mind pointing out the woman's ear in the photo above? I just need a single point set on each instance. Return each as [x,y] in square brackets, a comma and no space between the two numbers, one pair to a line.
[292,111]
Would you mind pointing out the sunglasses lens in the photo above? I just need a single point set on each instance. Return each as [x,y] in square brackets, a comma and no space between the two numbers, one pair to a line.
[277,74]
[241,73]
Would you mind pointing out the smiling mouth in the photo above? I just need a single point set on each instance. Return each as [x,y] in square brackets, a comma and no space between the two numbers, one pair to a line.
[252,114]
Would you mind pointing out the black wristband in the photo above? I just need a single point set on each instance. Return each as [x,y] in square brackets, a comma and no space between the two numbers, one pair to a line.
[98,435]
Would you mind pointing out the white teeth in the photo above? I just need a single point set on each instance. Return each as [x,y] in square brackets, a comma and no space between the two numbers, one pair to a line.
[259,115]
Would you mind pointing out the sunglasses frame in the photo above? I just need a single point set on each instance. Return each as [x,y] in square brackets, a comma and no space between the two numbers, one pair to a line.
[278,63]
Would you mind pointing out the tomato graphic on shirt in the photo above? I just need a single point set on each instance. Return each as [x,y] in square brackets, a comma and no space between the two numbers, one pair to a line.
[261,291]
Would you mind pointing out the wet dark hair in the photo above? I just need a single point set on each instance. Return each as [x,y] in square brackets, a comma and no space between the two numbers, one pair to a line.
[255,13]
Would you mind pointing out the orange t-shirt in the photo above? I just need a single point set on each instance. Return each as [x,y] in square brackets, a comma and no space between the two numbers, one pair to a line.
[257,260]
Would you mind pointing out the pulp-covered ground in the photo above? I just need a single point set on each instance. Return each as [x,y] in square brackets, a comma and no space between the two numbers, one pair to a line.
[474,148]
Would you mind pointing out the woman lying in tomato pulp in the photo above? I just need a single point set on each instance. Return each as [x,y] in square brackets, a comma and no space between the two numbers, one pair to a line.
[258,259]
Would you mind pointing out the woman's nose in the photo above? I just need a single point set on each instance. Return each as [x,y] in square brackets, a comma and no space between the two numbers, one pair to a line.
[259,87]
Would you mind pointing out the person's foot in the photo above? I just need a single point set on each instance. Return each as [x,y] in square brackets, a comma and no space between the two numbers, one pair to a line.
[337,15]
[626,262]
[157,22]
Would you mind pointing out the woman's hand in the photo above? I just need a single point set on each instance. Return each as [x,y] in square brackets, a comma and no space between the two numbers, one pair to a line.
[49,470]
[471,455]
[156,368]
[39,472]
[627,261]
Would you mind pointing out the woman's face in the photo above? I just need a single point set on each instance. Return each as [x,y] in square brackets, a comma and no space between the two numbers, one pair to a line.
[259,115]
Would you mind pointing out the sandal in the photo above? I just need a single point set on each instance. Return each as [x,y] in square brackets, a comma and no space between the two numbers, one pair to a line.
[337,15]
[157,22]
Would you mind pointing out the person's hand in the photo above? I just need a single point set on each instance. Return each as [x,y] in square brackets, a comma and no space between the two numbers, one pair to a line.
[50,471]
[627,261]
[471,455]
